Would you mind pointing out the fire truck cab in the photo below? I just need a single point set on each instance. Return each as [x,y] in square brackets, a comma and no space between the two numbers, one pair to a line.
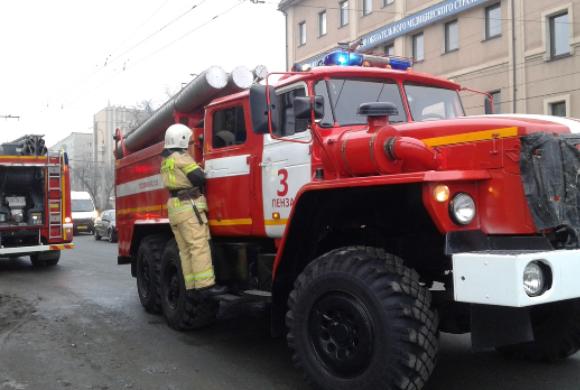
[360,202]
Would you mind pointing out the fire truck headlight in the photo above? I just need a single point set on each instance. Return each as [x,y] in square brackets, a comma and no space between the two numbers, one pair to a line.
[536,278]
[36,218]
[67,220]
[462,209]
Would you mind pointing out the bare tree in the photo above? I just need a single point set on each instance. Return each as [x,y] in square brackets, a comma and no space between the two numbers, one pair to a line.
[98,179]
[140,113]
[84,171]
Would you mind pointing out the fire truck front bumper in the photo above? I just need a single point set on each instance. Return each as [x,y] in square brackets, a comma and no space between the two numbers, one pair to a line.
[26,250]
[516,278]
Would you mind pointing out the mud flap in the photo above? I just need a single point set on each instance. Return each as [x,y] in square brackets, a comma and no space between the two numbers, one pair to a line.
[550,168]
[497,326]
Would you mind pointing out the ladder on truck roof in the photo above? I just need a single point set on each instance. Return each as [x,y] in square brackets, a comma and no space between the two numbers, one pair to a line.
[54,194]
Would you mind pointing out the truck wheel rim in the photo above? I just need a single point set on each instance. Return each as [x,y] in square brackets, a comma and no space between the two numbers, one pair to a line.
[341,334]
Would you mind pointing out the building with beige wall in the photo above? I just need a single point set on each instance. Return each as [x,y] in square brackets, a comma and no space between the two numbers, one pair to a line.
[524,52]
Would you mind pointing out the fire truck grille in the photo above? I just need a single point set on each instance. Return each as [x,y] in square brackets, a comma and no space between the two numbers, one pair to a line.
[550,168]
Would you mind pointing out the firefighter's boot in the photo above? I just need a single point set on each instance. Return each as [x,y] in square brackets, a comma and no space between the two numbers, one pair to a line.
[212,291]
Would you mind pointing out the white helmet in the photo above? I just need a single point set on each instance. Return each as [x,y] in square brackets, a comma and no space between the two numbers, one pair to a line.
[177,136]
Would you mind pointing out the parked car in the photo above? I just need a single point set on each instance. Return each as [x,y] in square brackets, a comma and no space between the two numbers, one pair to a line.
[105,226]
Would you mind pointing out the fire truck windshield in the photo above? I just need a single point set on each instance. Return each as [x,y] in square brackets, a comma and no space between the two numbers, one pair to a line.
[342,97]
[429,103]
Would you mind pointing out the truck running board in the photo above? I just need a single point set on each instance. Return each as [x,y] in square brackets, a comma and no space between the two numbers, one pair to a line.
[247,295]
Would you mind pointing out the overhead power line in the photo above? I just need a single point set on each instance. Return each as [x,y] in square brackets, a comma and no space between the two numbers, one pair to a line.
[109,59]
[124,41]
[156,51]
[166,25]
[211,20]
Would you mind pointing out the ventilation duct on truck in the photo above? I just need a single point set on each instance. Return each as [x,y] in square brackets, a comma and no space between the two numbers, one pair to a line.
[209,85]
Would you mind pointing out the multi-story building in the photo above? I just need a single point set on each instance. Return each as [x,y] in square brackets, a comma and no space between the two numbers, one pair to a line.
[525,53]
[106,122]
[79,148]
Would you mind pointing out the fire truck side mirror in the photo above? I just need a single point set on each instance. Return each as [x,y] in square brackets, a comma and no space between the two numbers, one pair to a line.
[259,109]
[303,105]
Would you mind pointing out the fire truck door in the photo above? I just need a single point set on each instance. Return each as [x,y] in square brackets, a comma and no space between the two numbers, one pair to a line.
[286,166]
[228,169]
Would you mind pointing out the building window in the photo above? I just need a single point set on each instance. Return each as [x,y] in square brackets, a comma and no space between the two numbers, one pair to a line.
[418,47]
[343,13]
[451,36]
[387,2]
[367,7]
[493,21]
[496,108]
[559,35]
[302,33]
[322,23]
[390,50]
[558,108]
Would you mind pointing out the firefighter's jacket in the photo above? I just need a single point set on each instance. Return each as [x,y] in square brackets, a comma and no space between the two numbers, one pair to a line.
[180,172]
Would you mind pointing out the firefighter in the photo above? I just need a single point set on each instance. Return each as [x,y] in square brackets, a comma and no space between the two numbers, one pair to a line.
[187,209]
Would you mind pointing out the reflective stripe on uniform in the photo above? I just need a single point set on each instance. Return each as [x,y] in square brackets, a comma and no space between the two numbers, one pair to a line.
[201,204]
[190,168]
[197,277]
[177,206]
[168,167]
[203,275]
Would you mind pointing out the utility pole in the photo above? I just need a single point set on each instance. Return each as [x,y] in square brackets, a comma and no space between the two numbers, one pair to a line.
[10,116]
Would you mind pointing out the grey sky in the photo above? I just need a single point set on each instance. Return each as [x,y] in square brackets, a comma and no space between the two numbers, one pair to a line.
[64,60]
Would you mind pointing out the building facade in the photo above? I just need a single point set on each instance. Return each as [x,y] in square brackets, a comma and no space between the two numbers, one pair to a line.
[524,53]
[79,148]
[106,122]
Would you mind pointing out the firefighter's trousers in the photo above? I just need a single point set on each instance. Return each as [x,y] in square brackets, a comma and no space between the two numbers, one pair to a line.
[193,243]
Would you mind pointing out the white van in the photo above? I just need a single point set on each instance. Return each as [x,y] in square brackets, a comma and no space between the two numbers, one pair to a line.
[83,212]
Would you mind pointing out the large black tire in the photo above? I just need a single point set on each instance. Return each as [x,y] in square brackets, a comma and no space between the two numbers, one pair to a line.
[556,329]
[148,270]
[181,311]
[45,259]
[97,236]
[359,319]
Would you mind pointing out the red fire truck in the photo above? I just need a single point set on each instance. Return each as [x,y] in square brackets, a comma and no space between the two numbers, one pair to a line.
[358,200]
[35,214]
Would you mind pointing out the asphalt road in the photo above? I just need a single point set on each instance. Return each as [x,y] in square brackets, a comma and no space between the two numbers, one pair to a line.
[79,325]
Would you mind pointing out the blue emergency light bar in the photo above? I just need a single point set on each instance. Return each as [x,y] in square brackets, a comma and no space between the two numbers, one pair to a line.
[345,58]
[400,63]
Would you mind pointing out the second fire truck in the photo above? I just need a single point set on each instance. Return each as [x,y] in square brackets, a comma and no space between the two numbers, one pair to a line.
[35,212]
